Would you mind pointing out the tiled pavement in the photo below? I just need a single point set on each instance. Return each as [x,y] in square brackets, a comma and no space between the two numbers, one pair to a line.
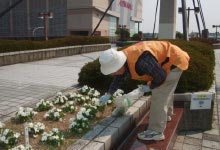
[208,140]
[25,83]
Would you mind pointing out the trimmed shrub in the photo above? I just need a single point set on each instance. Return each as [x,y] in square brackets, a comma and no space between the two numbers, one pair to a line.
[14,45]
[198,77]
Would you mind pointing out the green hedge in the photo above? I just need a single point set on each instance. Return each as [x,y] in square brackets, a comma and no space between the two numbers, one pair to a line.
[198,77]
[21,45]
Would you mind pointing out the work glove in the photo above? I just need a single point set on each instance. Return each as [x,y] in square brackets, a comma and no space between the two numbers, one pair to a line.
[144,88]
[104,98]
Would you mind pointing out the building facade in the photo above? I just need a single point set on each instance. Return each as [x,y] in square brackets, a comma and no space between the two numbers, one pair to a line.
[24,20]
[70,17]
[84,15]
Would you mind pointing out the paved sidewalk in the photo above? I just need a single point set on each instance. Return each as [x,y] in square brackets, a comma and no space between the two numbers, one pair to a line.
[26,83]
[208,140]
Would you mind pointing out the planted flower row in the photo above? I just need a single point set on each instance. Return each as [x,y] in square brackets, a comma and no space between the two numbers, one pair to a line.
[85,104]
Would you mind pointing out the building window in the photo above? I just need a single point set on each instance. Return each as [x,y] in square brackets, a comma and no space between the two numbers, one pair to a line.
[132,28]
[112,25]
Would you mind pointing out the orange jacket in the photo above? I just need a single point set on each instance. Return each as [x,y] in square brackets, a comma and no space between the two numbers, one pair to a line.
[161,50]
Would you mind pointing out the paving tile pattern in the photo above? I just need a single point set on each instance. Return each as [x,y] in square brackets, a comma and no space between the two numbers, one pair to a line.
[24,84]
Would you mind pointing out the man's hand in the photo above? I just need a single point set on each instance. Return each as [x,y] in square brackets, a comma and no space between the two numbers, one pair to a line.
[144,88]
[104,98]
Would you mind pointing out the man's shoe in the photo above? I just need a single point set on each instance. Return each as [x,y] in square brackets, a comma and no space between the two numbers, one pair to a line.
[151,135]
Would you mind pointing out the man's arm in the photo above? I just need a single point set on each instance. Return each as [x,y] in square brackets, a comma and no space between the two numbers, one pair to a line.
[147,65]
[118,81]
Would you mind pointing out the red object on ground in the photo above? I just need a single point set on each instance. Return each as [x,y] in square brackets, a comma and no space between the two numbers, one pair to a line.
[132,143]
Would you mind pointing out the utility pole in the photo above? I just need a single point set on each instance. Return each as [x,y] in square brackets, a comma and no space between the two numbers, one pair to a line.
[185,28]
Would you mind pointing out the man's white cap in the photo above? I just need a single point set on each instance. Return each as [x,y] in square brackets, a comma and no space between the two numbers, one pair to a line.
[111,61]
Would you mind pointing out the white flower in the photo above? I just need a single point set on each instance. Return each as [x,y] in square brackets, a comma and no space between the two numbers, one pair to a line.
[40,125]
[6,136]
[56,114]
[42,101]
[59,94]
[2,138]
[20,109]
[73,124]
[79,116]
[119,92]
[38,104]
[5,131]
[29,109]
[17,135]
[87,113]
[44,137]
[21,147]
[46,115]
[71,103]
[96,93]
[83,109]
[84,89]
[96,101]
[6,141]
[59,110]
[56,130]
[52,136]
[109,101]
[35,128]
[34,112]
[56,137]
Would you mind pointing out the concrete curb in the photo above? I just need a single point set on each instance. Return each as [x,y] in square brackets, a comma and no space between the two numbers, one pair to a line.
[34,55]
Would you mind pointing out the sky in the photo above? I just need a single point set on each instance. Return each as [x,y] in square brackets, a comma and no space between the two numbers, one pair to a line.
[210,8]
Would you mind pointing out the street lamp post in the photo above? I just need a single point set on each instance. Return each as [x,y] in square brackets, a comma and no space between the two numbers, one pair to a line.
[183,11]
[45,16]
[216,31]
[196,11]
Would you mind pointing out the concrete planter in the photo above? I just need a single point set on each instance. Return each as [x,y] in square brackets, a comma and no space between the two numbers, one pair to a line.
[199,119]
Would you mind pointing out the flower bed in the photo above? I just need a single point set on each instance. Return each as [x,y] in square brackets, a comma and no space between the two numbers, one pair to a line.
[58,123]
